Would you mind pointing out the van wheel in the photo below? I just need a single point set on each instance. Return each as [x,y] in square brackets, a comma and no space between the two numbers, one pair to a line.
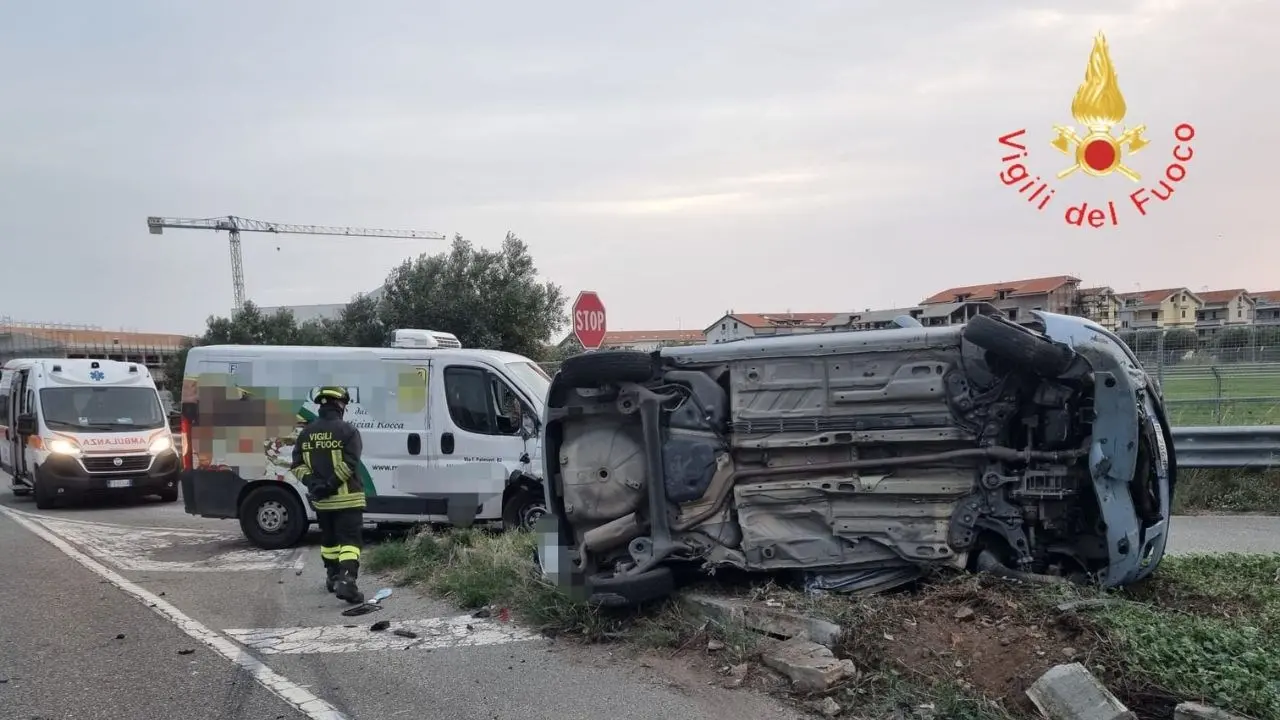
[168,495]
[46,499]
[273,518]
[597,368]
[523,510]
[1018,345]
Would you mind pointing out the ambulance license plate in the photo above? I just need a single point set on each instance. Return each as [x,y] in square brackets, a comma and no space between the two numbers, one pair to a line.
[121,483]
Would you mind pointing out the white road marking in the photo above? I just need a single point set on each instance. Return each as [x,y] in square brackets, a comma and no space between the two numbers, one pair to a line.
[433,634]
[297,696]
[134,549]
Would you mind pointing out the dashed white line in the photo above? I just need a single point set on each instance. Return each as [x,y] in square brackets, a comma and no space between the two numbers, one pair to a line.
[432,634]
[299,697]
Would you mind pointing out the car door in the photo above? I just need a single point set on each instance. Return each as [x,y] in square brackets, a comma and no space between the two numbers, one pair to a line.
[479,441]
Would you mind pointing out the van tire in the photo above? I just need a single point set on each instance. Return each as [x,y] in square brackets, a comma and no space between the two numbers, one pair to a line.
[272,517]
[168,495]
[45,500]
[593,369]
[522,510]
[1018,345]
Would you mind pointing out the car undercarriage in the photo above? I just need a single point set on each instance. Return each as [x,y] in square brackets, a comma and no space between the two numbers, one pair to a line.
[859,460]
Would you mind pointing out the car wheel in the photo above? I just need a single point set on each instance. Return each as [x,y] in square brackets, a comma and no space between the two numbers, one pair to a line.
[1018,345]
[606,366]
[523,510]
[272,517]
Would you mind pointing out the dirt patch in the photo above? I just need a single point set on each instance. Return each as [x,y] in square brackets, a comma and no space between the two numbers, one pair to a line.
[987,636]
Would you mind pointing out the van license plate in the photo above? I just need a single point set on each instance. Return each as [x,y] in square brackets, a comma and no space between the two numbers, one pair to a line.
[125,482]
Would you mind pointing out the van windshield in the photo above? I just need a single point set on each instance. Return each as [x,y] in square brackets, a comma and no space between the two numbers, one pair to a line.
[101,409]
[532,377]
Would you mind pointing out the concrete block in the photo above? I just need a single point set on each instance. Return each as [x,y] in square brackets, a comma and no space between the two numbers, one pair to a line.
[810,667]
[1196,711]
[779,622]
[1071,692]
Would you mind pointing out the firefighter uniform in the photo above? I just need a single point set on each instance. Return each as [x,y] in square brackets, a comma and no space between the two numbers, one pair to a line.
[326,458]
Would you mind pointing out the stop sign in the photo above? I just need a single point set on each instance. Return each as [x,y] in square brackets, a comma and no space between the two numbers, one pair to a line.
[588,320]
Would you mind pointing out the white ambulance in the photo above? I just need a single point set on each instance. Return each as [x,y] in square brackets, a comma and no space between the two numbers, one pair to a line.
[450,435]
[74,427]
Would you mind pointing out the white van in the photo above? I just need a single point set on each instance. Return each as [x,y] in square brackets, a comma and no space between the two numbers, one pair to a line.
[71,427]
[450,435]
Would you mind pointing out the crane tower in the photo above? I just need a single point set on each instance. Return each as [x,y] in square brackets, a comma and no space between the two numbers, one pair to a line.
[236,225]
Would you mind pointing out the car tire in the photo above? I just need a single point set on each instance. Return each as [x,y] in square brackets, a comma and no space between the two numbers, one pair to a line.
[1018,345]
[272,517]
[523,509]
[597,368]
[616,591]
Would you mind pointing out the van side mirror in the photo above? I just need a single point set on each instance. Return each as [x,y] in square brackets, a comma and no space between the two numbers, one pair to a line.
[27,424]
[175,421]
[528,425]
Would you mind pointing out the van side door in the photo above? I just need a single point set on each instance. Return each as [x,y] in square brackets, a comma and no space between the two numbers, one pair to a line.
[395,429]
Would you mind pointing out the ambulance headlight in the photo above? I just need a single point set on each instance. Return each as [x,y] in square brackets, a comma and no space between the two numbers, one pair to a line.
[160,444]
[58,446]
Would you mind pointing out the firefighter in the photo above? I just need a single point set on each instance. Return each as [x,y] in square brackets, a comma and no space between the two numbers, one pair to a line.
[326,458]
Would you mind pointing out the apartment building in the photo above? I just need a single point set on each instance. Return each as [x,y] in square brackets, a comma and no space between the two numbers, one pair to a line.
[1223,308]
[927,315]
[1166,308]
[1017,298]
[740,326]
[1266,308]
[1100,305]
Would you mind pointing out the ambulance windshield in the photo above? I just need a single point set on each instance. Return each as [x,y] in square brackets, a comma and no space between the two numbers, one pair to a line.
[101,409]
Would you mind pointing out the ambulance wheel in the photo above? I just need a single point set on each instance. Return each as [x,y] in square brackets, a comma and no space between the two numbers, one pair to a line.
[272,517]
[46,499]
[20,491]
[168,495]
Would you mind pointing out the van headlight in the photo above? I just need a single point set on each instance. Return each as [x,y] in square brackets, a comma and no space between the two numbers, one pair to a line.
[59,446]
[160,444]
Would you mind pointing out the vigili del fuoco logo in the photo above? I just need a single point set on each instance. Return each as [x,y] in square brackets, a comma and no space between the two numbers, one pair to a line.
[1097,149]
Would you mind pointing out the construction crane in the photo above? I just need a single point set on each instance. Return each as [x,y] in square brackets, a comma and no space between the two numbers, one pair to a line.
[236,225]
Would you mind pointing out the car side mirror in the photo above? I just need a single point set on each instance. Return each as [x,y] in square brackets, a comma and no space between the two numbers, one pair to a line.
[27,424]
[528,426]
[175,421]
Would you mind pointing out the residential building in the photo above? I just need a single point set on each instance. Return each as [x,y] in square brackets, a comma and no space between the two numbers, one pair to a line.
[644,340]
[1017,298]
[927,315]
[52,340]
[1266,309]
[1100,305]
[1167,308]
[1222,308]
[740,326]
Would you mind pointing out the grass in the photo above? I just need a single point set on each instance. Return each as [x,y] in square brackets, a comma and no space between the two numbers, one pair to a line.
[1205,627]
[1201,400]
[1201,491]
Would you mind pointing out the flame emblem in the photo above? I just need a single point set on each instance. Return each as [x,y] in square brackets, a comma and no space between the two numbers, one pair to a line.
[1099,106]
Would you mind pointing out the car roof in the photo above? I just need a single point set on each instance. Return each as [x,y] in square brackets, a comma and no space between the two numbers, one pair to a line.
[284,352]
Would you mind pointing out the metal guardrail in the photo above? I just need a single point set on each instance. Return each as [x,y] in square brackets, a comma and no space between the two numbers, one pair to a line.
[1252,447]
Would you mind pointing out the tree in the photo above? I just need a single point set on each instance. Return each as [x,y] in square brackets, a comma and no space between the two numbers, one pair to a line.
[489,299]
[247,326]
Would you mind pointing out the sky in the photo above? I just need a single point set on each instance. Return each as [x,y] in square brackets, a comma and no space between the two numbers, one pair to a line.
[682,159]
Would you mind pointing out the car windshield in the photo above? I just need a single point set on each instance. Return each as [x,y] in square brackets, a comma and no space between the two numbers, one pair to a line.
[101,409]
[532,377]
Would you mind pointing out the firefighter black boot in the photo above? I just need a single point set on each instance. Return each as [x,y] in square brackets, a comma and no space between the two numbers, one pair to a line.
[331,575]
[345,587]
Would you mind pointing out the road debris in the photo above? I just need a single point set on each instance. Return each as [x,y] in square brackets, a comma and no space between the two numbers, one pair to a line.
[380,625]
[405,633]
[762,617]
[737,675]
[1071,692]
[1196,711]
[186,651]
[810,667]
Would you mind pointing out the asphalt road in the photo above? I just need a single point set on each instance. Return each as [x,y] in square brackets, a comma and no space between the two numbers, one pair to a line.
[213,628]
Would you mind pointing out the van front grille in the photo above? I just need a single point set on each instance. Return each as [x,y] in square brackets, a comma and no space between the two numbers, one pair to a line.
[107,463]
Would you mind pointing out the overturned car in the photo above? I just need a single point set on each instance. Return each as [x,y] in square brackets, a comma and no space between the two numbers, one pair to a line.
[857,460]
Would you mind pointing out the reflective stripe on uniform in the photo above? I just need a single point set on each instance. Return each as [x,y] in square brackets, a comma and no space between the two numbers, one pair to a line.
[347,553]
[331,553]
